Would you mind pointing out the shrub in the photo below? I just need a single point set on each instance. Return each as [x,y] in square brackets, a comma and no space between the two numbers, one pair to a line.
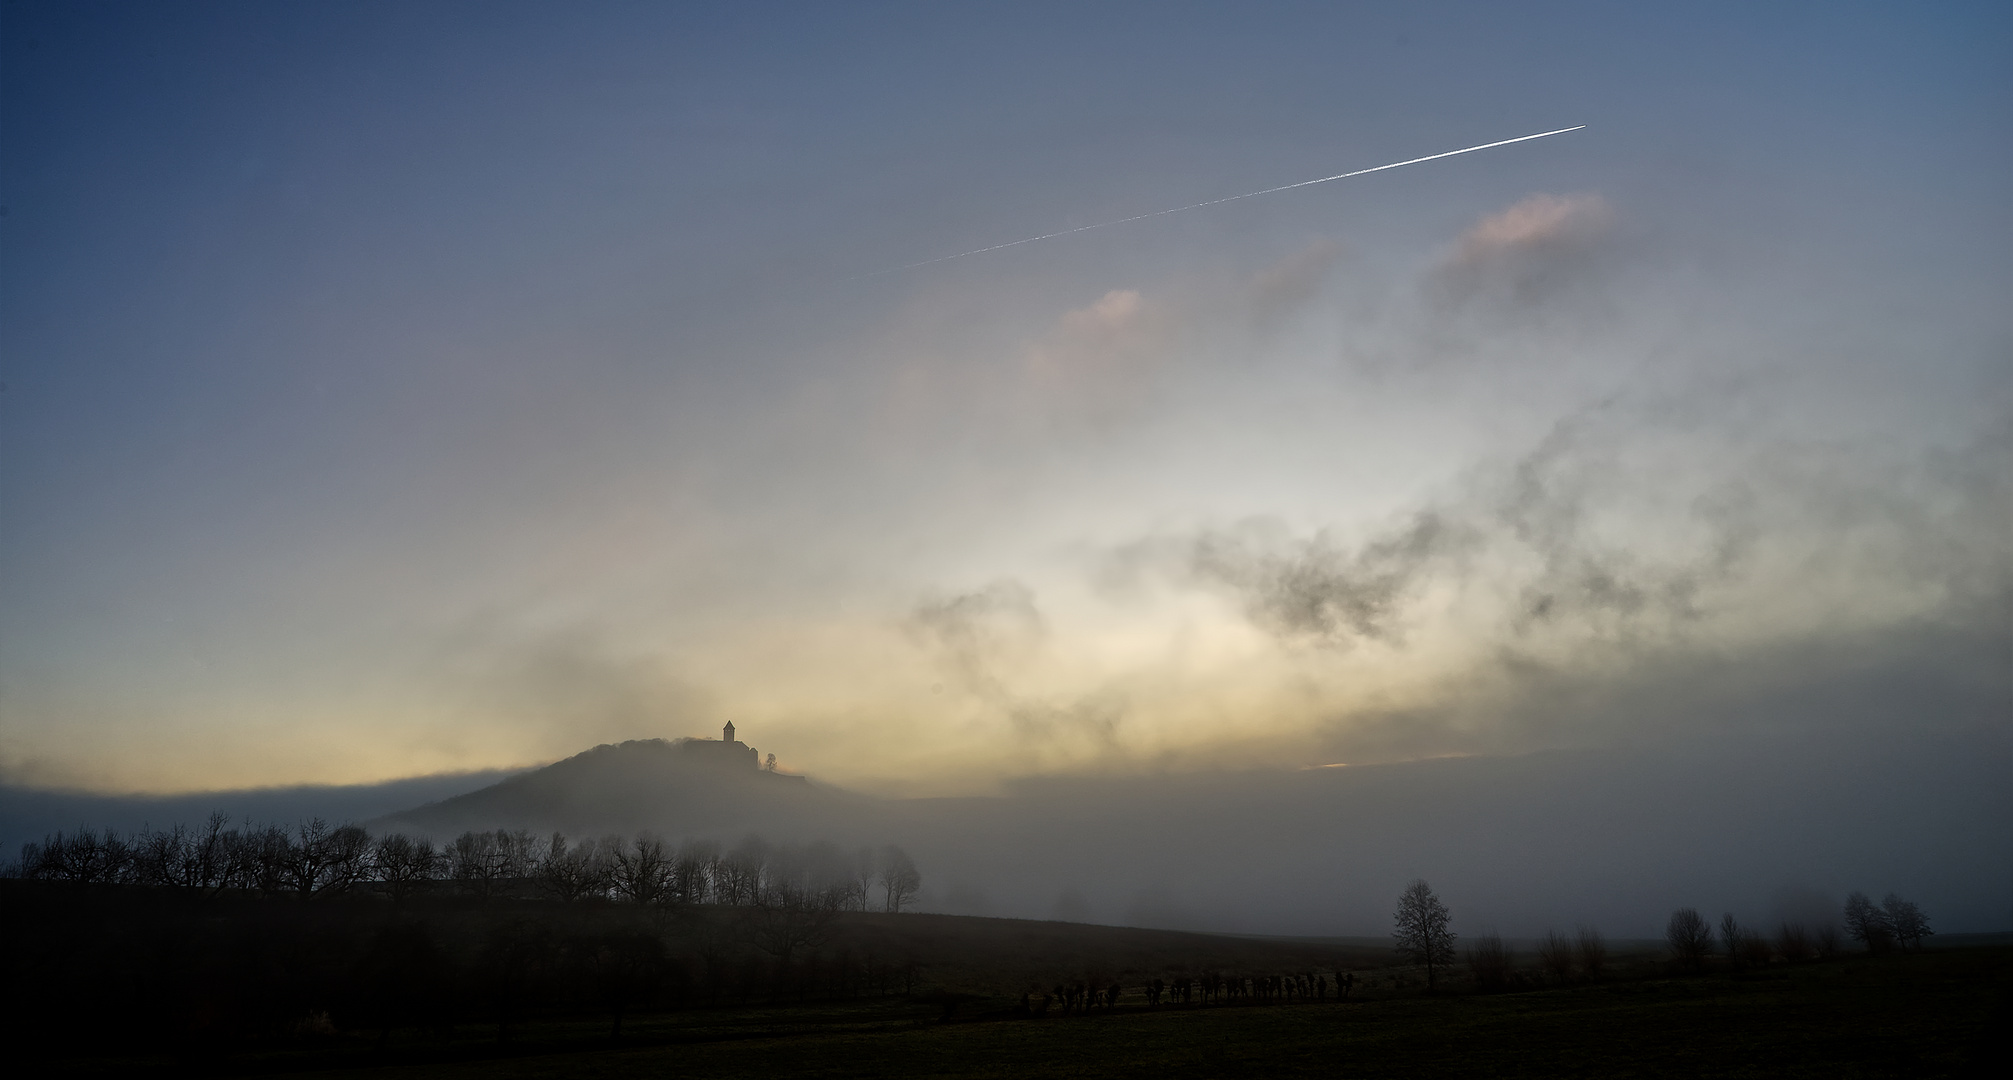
[1793,943]
[1491,962]
[1593,952]
[1754,949]
[1690,938]
[1555,955]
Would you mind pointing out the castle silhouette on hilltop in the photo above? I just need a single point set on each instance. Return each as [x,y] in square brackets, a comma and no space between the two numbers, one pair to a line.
[726,750]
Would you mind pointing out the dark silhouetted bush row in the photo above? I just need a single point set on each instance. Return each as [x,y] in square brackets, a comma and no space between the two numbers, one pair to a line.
[314,859]
[1894,922]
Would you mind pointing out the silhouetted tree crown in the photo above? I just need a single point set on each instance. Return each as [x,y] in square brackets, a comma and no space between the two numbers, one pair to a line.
[1420,929]
[1689,936]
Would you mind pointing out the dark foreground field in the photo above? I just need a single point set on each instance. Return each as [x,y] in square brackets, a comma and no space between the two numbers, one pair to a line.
[1943,1013]
[109,981]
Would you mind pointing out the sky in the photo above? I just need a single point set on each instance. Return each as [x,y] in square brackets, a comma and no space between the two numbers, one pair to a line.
[390,390]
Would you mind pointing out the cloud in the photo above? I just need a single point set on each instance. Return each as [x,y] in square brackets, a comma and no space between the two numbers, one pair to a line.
[571,686]
[1615,530]
[1545,504]
[974,634]
[1314,589]
[1290,284]
[1527,254]
[983,639]
[1537,224]
[1102,358]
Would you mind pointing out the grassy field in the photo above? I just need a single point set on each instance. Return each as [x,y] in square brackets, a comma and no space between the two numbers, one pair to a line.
[126,982]
[1940,1013]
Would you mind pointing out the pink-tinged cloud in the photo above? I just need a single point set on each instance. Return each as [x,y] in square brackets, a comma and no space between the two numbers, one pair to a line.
[1538,222]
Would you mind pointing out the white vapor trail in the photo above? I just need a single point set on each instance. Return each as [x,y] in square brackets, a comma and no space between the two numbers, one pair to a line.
[1225,199]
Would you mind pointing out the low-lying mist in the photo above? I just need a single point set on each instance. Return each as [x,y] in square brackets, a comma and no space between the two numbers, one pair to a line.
[1769,784]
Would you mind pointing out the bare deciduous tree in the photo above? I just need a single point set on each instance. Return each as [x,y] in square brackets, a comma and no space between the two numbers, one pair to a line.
[1593,952]
[1690,938]
[401,863]
[1827,941]
[739,877]
[691,881]
[787,918]
[1420,928]
[1754,949]
[305,858]
[576,871]
[860,882]
[1867,923]
[642,870]
[349,857]
[1491,962]
[472,862]
[1730,933]
[900,880]
[1792,941]
[267,852]
[1905,921]
[1555,955]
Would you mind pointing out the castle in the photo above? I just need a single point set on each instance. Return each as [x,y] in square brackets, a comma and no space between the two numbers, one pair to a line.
[726,750]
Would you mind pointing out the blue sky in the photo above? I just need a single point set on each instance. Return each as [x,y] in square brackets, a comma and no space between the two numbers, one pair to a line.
[392,389]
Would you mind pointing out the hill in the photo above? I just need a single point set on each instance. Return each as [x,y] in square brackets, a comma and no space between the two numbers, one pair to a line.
[673,787]
[1616,838]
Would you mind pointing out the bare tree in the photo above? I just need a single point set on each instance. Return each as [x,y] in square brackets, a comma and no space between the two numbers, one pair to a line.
[162,857]
[739,876]
[1865,922]
[217,856]
[860,882]
[401,863]
[1421,929]
[642,870]
[786,918]
[472,862]
[1690,937]
[84,856]
[1792,941]
[308,858]
[518,856]
[900,880]
[319,859]
[1730,933]
[1555,955]
[349,858]
[1754,950]
[267,854]
[1491,962]
[1827,941]
[1905,921]
[573,872]
[690,882]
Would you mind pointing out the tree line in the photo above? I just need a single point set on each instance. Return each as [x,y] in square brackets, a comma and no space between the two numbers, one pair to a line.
[1894,922]
[314,859]
[1422,931]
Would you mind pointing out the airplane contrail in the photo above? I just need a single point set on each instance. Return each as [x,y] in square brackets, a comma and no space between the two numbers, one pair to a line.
[1225,199]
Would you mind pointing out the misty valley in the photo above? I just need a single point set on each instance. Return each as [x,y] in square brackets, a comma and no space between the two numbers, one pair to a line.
[246,948]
